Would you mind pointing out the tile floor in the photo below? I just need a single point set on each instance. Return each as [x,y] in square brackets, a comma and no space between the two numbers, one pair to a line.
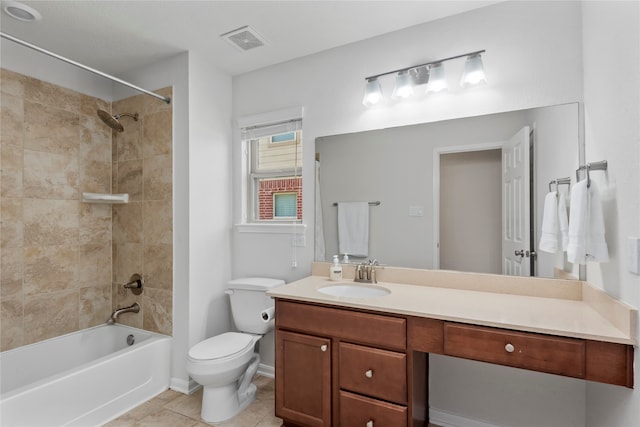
[171,409]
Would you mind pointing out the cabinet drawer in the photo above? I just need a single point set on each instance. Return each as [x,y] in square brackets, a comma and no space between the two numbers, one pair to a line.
[563,356]
[361,411]
[374,372]
[365,328]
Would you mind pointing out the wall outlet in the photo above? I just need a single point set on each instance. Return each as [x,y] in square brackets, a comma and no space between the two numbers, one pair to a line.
[633,254]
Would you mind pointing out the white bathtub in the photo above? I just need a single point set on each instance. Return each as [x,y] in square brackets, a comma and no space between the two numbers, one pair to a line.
[82,379]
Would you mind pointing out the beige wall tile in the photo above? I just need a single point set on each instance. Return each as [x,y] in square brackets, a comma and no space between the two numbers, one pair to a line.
[51,95]
[50,269]
[89,105]
[158,266]
[51,222]
[157,222]
[130,179]
[11,165]
[128,261]
[129,142]
[95,224]
[158,309]
[158,178]
[95,305]
[11,324]
[127,223]
[12,230]
[50,129]
[157,134]
[11,266]
[95,166]
[50,175]
[94,265]
[12,83]
[12,119]
[50,315]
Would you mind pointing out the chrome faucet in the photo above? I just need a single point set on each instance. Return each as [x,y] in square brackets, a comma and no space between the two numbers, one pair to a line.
[135,308]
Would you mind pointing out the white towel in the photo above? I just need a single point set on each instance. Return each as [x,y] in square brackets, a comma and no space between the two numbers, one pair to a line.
[586,226]
[353,228]
[549,236]
[563,221]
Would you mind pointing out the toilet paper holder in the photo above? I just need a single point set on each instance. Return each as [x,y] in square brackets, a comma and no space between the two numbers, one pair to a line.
[268,314]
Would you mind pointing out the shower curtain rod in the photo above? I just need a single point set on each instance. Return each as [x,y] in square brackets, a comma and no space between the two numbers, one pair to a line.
[84,67]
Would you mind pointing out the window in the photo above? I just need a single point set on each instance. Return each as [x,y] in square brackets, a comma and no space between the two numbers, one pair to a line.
[274,172]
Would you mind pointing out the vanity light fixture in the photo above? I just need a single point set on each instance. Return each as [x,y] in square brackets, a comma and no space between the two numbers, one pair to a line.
[431,73]
[372,92]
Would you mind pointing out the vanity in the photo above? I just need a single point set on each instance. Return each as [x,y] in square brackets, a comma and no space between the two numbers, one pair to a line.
[363,361]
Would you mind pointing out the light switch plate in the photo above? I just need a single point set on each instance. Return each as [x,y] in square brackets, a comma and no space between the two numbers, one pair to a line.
[633,254]
[416,210]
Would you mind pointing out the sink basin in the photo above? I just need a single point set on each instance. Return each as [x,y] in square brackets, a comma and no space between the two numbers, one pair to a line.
[351,290]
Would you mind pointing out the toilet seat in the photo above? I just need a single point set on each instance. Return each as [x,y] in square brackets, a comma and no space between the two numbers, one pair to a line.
[221,346]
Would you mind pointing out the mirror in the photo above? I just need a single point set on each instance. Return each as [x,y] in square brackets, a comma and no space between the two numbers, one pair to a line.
[417,224]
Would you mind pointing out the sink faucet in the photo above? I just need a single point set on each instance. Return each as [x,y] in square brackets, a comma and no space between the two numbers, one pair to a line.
[366,272]
[135,308]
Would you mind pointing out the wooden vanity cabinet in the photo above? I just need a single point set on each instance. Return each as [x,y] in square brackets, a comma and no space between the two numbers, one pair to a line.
[363,374]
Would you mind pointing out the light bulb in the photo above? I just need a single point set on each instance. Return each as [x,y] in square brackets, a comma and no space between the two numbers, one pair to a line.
[404,85]
[437,80]
[372,92]
[473,73]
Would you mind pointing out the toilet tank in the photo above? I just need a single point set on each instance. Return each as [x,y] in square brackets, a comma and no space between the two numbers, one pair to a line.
[248,299]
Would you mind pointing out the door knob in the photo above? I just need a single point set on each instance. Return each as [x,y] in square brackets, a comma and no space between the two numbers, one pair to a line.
[519,253]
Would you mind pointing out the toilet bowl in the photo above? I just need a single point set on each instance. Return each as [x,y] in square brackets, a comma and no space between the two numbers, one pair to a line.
[225,364]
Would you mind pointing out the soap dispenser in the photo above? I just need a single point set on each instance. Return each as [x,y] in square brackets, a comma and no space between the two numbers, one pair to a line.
[335,271]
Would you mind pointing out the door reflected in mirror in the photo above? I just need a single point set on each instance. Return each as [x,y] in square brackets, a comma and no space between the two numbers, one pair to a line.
[445,201]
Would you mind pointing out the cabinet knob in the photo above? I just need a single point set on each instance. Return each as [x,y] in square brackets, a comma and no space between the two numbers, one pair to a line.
[370,423]
[323,347]
[509,347]
[369,374]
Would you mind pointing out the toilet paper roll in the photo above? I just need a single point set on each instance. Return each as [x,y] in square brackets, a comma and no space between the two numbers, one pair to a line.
[268,314]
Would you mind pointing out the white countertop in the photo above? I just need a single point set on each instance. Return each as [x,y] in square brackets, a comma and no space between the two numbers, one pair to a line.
[578,313]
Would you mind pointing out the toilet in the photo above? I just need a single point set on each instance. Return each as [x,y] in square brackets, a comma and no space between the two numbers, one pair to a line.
[225,364]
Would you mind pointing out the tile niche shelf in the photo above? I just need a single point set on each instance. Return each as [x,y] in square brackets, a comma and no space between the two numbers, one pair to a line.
[105,198]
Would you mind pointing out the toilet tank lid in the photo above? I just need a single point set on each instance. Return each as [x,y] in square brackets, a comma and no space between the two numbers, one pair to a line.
[255,283]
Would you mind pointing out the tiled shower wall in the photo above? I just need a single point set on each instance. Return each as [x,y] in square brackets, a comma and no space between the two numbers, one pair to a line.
[142,229]
[56,273]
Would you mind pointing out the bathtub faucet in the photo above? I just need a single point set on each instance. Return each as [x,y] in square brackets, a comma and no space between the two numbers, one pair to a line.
[135,308]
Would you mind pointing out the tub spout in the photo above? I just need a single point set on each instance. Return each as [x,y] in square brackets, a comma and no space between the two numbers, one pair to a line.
[131,309]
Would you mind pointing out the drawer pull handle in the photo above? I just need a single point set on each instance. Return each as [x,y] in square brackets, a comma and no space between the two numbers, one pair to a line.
[509,347]
[370,423]
[369,374]
[323,347]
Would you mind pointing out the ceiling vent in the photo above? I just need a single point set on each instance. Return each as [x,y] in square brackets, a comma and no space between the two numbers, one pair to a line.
[244,38]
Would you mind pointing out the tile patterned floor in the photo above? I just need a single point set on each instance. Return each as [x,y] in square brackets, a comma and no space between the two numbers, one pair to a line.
[171,409]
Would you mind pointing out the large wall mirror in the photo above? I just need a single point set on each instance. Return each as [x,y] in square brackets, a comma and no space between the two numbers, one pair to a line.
[440,189]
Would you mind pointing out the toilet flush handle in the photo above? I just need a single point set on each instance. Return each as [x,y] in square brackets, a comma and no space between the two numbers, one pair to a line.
[229,292]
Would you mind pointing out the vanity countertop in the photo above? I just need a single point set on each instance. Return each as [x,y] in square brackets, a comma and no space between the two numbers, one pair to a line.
[555,307]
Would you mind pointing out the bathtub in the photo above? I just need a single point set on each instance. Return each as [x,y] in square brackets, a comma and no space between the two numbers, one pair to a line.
[85,378]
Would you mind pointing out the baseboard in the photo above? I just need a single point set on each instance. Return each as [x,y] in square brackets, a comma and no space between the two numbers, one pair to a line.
[446,419]
[266,370]
[182,386]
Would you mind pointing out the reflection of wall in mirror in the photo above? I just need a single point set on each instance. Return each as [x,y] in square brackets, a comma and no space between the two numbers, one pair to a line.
[395,166]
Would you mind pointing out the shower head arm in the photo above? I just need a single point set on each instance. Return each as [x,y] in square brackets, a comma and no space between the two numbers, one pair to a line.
[133,116]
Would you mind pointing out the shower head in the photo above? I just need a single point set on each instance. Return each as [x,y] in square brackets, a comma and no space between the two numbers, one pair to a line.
[114,121]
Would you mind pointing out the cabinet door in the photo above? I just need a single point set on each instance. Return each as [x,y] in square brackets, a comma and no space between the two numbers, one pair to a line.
[303,379]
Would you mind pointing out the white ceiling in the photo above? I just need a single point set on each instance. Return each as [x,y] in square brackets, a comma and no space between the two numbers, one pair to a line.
[118,36]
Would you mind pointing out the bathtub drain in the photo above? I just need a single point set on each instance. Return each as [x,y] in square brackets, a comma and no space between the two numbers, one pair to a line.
[131,339]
